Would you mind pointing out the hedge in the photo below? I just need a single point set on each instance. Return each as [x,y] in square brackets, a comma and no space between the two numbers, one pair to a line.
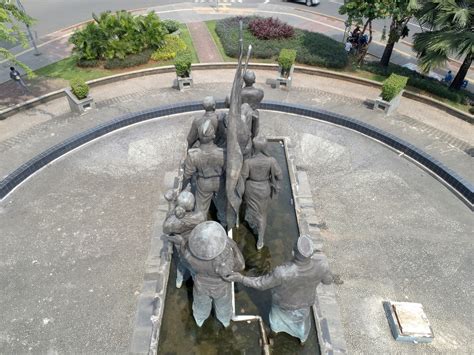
[87,63]
[393,86]
[182,63]
[79,88]
[419,81]
[129,61]
[286,59]
[312,48]
[171,25]
[173,44]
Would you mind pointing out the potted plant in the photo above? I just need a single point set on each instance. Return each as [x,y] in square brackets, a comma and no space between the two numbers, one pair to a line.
[78,96]
[182,64]
[392,91]
[286,65]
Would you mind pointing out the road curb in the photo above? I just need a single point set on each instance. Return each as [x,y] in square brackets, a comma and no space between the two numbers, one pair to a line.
[231,65]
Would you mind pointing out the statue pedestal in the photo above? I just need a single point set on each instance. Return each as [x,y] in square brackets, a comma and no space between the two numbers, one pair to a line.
[285,81]
[185,83]
[79,106]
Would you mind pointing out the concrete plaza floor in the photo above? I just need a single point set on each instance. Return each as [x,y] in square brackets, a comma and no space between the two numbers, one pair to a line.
[75,235]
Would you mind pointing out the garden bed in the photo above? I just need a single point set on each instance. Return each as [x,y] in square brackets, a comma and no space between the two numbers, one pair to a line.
[312,48]
[67,68]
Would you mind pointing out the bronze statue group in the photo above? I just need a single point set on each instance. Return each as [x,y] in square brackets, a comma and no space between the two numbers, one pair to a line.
[204,250]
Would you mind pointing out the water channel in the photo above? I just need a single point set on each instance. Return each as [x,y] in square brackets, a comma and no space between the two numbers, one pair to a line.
[179,333]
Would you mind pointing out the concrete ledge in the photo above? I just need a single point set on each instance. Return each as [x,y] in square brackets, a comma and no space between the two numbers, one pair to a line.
[32,103]
[461,187]
[231,65]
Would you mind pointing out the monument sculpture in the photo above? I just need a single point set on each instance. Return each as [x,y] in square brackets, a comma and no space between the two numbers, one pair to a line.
[253,97]
[211,255]
[209,105]
[293,287]
[261,175]
[181,219]
[229,163]
[206,163]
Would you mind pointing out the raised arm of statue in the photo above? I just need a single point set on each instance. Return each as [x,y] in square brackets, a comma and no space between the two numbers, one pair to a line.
[264,282]
[193,135]
[189,167]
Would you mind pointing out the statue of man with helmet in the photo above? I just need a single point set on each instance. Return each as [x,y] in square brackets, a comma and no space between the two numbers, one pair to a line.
[211,255]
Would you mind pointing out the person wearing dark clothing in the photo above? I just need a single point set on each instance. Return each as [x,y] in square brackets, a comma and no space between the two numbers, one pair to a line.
[405,31]
[15,76]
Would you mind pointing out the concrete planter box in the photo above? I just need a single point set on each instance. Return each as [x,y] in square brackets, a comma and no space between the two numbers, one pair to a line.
[388,106]
[79,106]
[184,83]
[285,81]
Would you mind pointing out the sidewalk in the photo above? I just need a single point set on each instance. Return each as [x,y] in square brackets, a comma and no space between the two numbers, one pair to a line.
[55,46]
[206,49]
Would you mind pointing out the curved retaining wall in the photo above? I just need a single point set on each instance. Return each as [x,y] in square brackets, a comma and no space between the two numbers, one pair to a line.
[462,188]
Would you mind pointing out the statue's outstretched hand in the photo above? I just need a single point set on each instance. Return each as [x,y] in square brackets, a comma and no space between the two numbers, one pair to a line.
[233,277]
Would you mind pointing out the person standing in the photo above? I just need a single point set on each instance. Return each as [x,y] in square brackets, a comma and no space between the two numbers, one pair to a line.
[261,175]
[207,164]
[293,286]
[209,105]
[16,77]
[211,255]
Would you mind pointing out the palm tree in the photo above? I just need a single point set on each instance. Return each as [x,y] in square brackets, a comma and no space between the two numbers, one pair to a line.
[451,24]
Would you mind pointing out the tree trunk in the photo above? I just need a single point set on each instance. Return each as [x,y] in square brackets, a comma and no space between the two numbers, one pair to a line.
[461,74]
[393,38]
[387,53]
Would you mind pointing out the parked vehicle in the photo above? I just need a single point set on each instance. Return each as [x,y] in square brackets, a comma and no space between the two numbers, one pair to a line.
[308,2]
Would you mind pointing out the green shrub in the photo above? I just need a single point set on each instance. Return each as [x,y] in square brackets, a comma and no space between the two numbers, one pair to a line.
[131,60]
[420,81]
[79,88]
[87,63]
[118,35]
[286,59]
[171,25]
[393,86]
[172,45]
[182,63]
[471,110]
[312,48]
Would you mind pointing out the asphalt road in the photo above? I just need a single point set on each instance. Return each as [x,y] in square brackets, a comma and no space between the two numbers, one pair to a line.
[53,15]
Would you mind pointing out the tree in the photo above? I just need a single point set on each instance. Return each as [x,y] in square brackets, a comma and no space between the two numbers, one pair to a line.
[11,17]
[402,11]
[365,11]
[451,24]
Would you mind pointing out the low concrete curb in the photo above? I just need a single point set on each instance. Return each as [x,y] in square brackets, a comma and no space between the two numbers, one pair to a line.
[231,65]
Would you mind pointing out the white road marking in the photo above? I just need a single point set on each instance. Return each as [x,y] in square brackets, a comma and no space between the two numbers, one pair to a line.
[413,24]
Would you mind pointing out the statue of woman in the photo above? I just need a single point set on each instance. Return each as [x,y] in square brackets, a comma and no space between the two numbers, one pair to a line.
[261,174]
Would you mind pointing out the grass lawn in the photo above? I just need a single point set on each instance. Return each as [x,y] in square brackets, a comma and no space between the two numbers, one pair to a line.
[67,69]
